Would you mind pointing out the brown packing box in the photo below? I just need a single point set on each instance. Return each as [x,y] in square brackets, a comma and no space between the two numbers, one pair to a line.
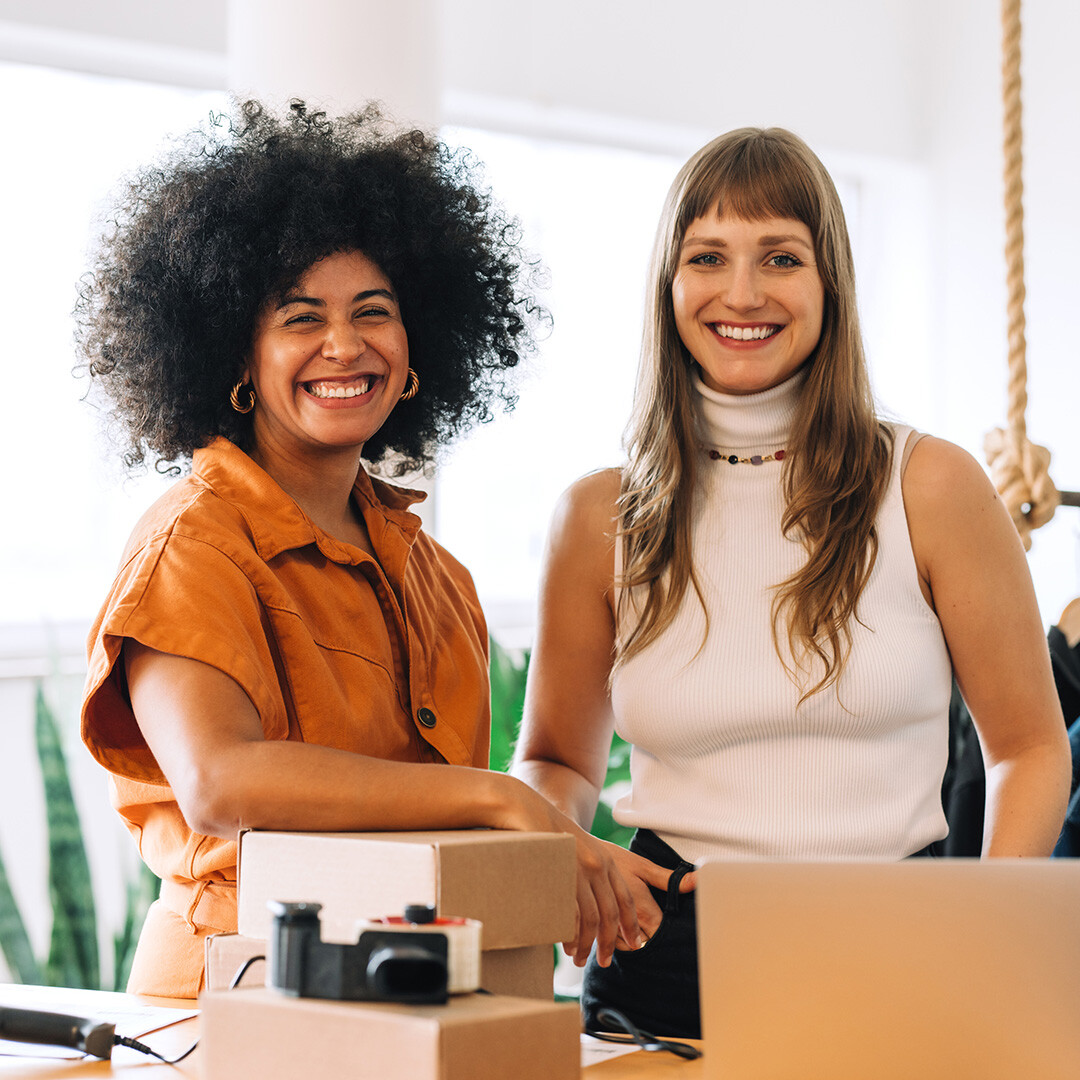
[527,971]
[263,1033]
[226,954]
[521,886]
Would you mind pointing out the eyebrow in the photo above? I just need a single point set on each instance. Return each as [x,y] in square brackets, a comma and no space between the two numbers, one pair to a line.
[314,301]
[778,240]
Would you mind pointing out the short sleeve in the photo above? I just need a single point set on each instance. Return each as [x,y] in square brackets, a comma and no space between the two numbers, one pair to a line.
[184,596]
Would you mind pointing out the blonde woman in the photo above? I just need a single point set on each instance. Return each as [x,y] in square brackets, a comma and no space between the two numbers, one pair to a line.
[771,598]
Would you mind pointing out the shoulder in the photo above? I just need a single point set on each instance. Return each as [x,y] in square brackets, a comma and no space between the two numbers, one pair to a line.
[581,540]
[190,547]
[190,511]
[956,518]
[591,502]
[941,476]
[586,513]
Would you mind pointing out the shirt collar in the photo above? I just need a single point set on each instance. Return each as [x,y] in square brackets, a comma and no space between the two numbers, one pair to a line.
[277,523]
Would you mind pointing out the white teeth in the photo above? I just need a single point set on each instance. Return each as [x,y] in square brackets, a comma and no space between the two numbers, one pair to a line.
[746,333]
[328,390]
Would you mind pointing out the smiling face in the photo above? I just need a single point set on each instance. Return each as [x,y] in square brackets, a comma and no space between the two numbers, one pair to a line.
[748,300]
[328,360]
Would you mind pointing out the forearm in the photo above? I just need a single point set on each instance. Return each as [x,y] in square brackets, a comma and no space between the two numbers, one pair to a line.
[1026,798]
[299,786]
[562,786]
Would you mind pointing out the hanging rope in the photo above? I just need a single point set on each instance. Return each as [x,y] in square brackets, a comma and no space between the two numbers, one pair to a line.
[1019,468]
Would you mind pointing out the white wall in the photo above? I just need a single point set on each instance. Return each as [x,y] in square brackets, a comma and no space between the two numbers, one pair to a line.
[828,70]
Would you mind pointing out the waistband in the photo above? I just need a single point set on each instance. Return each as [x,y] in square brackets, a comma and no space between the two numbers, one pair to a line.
[647,844]
[203,905]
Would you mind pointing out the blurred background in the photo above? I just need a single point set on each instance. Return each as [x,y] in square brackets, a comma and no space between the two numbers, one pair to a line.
[581,111]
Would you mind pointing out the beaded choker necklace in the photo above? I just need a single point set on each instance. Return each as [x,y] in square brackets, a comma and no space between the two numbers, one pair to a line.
[754,459]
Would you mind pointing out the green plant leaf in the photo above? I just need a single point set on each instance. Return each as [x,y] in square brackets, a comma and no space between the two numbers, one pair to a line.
[509,672]
[14,941]
[618,770]
[605,827]
[508,675]
[73,951]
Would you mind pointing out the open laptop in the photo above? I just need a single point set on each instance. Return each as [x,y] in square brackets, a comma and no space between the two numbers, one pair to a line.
[925,969]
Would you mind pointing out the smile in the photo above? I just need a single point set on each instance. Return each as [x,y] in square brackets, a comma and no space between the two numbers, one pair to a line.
[746,333]
[337,390]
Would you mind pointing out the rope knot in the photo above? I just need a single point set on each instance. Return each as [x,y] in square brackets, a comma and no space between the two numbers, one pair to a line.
[1021,474]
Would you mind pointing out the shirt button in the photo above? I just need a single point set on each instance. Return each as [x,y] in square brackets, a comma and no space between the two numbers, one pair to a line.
[426,717]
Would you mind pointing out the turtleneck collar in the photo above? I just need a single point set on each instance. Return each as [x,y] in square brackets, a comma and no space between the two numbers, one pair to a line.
[747,423]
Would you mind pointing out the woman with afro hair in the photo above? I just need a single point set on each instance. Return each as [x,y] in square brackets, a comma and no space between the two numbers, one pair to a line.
[283,647]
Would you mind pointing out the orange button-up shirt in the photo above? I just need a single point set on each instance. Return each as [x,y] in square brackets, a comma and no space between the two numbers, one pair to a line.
[385,657]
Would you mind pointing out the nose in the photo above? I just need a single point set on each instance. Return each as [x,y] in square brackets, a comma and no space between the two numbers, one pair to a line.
[743,288]
[344,342]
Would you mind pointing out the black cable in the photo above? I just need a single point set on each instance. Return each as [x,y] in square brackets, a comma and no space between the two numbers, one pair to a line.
[134,1044]
[635,1036]
[243,971]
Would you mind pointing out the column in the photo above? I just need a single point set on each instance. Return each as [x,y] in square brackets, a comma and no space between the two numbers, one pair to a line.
[338,55]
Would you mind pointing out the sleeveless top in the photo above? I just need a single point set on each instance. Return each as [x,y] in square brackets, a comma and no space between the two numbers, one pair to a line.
[726,761]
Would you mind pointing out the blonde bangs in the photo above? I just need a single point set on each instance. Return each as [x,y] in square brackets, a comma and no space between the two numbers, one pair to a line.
[754,175]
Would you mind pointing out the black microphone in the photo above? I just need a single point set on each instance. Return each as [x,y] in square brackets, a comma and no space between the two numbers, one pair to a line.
[56,1029]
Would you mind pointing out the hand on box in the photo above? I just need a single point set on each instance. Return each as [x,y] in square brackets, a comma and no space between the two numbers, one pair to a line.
[606,903]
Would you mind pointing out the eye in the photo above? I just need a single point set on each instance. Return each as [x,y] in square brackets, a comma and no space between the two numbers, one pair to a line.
[706,258]
[303,317]
[784,261]
[373,311]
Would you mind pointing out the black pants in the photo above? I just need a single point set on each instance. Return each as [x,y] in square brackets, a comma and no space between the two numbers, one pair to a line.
[655,986]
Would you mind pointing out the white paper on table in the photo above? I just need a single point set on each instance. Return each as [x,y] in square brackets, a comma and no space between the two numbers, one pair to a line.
[593,1051]
[131,1018]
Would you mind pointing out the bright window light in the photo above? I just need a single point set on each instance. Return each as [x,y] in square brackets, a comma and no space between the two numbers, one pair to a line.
[70,508]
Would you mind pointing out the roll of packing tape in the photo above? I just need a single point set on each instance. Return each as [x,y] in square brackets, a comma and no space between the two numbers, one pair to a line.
[462,942]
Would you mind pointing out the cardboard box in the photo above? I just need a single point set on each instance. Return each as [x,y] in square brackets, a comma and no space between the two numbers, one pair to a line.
[226,954]
[521,886]
[527,972]
[266,1034]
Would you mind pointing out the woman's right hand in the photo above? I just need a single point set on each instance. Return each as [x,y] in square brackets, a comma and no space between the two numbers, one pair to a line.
[606,906]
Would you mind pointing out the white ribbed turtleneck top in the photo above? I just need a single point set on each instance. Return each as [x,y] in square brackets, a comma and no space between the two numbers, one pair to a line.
[725,761]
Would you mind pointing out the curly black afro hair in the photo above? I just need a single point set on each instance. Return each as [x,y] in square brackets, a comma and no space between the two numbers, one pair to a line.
[236,215]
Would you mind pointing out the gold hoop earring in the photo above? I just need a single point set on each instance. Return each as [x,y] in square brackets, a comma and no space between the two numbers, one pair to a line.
[412,384]
[234,397]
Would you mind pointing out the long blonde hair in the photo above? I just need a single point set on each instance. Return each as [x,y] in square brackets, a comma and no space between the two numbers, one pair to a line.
[837,466]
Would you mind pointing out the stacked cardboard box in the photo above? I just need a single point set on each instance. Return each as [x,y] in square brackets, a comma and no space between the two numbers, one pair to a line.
[521,886]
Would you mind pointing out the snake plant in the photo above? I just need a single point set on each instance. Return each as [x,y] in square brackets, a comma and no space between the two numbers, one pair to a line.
[73,958]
